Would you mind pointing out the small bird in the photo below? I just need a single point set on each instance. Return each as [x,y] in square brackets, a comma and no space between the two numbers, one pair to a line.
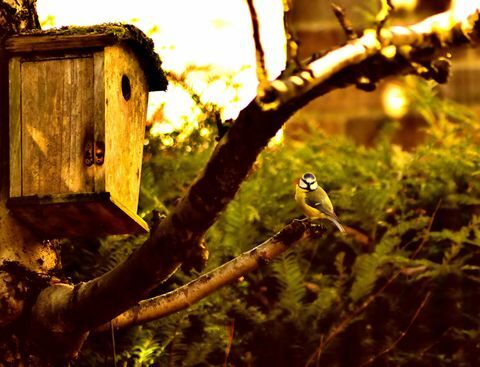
[314,201]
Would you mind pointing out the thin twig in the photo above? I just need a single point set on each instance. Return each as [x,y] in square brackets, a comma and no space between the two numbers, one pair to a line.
[260,55]
[114,351]
[426,235]
[403,333]
[291,41]
[386,10]
[345,23]
[188,294]
[230,333]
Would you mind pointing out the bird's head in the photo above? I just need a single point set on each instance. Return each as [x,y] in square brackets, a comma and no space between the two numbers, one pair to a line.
[308,182]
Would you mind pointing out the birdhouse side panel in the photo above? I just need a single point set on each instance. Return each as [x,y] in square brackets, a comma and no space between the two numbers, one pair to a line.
[54,123]
[126,95]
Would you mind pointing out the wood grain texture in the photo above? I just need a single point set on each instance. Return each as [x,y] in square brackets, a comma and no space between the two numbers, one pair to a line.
[124,125]
[99,114]
[15,128]
[57,117]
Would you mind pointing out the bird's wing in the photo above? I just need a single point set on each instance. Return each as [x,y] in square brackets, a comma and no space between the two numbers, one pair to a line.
[319,200]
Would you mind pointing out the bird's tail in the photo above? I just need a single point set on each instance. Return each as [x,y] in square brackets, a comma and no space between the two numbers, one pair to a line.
[337,223]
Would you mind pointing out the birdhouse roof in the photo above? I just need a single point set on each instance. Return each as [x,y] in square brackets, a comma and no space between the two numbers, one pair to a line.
[97,36]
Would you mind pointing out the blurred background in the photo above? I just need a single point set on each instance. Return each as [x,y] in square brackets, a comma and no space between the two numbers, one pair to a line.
[401,165]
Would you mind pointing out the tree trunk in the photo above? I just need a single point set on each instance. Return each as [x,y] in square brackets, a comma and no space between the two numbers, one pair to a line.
[26,263]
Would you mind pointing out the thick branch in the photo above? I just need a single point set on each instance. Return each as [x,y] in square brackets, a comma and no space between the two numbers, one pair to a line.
[395,44]
[185,296]
[177,237]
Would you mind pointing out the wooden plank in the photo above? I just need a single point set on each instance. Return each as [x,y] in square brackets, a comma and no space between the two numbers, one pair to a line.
[28,43]
[76,215]
[99,103]
[57,116]
[125,124]
[33,97]
[15,128]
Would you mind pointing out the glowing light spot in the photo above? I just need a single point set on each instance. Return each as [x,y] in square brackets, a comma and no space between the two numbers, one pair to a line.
[280,86]
[221,38]
[277,139]
[159,128]
[389,52]
[38,137]
[167,141]
[297,80]
[407,5]
[463,8]
[394,100]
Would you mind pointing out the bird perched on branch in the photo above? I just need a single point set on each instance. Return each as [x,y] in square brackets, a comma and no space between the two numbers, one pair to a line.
[314,201]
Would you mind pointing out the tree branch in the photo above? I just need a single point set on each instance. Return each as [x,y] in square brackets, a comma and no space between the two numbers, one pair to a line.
[177,237]
[185,296]
[345,23]
[400,45]
[259,53]
[291,44]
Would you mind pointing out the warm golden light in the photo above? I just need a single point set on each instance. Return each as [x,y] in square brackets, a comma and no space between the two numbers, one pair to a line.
[463,8]
[394,100]
[277,139]
[408,5]
[216,34]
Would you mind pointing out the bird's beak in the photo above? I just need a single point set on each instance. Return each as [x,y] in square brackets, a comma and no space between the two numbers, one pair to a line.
[296,181]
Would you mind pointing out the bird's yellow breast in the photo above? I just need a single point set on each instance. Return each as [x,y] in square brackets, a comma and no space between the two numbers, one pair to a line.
[308,210]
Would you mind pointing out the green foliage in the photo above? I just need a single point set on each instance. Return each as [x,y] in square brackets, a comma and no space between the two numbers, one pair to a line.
[414,225]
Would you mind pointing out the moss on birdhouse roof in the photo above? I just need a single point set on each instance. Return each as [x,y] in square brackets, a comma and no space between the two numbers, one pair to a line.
[101,35]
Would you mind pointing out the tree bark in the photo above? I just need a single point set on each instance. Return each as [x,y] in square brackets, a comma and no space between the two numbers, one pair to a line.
[26,264]
[187,295]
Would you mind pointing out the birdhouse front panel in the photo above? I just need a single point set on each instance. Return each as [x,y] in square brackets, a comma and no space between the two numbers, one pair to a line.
[77,121]
[52,120]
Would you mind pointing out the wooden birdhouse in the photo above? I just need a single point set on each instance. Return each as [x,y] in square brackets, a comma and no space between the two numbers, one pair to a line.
[77,101]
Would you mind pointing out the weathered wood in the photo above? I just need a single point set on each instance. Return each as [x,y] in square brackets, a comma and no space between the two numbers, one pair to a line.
[57,119]
[15,128]
[62,105]
[93,215]
[21,44]
[99,115]
[92,38]
[124,123]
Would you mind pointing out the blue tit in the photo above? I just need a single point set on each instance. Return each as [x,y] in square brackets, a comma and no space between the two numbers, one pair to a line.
[314,201]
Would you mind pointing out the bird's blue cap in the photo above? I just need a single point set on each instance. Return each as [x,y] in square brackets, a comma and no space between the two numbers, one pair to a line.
[309,177]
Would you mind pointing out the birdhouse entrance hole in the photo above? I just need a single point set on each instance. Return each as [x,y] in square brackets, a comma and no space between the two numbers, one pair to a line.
[126,88]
